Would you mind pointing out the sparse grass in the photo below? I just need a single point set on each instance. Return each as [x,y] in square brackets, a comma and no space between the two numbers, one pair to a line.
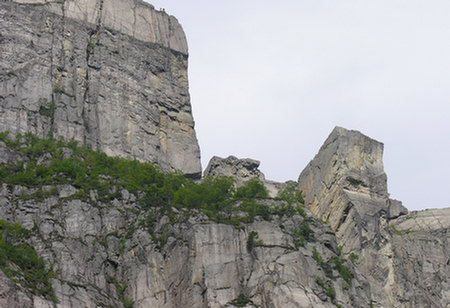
[399,232]
[58,89]
[47,108]
[241,300]
[333,263]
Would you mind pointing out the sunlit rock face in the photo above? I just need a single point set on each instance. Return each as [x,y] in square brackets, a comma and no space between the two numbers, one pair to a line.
[111,74]
[345,185]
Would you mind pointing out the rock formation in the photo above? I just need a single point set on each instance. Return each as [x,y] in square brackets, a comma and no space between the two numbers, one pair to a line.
[242,170]
[106,254]
[111,74]
[345,186]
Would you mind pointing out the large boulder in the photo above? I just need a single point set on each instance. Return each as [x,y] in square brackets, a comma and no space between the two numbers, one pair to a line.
[242,170]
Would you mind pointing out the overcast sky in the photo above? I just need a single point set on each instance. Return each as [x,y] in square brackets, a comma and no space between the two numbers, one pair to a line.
[269,80]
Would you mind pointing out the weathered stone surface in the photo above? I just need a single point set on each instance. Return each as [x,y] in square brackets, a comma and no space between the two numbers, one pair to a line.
[345,185]
[95,246]
[421,256]
[109,73]
[10,296]
[240,169]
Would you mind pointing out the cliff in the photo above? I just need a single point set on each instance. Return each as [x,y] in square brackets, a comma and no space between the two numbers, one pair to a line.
[79,228]
[112,243]
[111,74]
[403,255]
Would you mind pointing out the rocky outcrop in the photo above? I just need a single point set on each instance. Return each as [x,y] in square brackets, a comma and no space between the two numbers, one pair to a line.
[105,257]
[421,256]
[345,186]
[111,74]
[242,170]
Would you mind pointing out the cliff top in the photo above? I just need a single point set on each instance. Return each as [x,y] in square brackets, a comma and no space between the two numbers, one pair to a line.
[132,17]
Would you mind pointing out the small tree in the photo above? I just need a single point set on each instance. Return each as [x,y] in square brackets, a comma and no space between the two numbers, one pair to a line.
[253,188]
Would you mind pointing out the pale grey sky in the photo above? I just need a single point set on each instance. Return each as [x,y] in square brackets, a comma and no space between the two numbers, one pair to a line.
[270,80]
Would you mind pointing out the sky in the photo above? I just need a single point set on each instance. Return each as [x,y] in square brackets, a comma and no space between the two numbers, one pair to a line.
[270,80]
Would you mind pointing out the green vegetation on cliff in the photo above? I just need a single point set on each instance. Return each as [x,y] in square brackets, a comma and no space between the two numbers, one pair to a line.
[19,261]
[39,169]
[46,163]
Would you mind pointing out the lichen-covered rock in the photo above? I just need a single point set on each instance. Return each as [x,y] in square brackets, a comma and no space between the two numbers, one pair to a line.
[111,74]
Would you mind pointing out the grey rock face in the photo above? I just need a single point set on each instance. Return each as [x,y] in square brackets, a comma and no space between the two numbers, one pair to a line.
[96,248]
[421,250]
[345,185]
[240,169]
[111,74]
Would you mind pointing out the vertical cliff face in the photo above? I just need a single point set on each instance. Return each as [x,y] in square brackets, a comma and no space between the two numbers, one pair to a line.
[111,74]
[345,185]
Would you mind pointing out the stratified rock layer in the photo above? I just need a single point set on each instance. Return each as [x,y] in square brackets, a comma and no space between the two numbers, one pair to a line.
[345,185]
[111,74]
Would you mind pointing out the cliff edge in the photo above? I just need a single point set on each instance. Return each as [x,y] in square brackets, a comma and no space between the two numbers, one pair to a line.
[345,185]
[111,74]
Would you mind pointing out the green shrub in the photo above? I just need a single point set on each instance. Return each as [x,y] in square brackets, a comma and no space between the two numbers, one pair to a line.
[353,257]
[253,208]
[251,189]
[251,240]
[127,302]
[212,194]
[47,109]
[343,270]
[303,233]
[291,195]
[56,162]
[241,300]
[19,261]
[330,292]
[316,256]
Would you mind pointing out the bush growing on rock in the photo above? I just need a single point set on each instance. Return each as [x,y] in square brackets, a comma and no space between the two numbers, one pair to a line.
[51,162]
[291,195]
[19,261]
[251,189]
